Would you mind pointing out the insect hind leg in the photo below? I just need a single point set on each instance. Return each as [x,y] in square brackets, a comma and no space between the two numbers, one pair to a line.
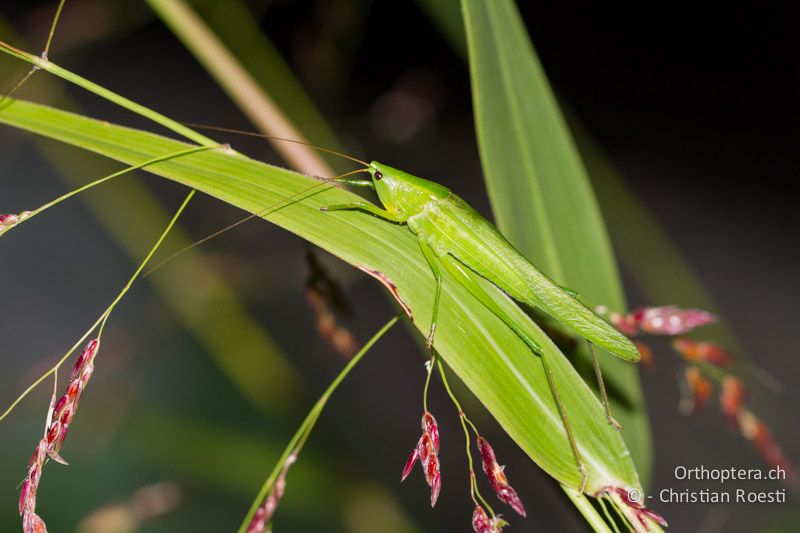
[596,364]
[466,277]
[434,263]
[601,385]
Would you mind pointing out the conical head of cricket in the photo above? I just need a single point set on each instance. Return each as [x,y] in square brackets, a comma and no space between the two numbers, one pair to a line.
[401,193]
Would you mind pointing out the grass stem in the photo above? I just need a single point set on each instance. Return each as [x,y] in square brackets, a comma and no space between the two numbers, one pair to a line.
[104,316]
[301,435]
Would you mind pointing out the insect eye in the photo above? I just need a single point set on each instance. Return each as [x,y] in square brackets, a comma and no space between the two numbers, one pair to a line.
[378,175]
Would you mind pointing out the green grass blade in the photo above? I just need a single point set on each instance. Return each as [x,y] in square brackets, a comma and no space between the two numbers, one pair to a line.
[540,193]
[536,180]
[491,360]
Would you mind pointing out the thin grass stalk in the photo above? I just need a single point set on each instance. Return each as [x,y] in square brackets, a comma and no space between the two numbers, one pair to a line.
[307,425]
[107,94]
[587,510]
[104,316]
[30,214]
[46,51]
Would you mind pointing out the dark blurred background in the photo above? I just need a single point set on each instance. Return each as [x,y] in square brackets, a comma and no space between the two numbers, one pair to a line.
[695,108]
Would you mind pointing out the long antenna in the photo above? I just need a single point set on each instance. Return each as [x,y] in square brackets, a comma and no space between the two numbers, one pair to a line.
[272,137]
[264,212]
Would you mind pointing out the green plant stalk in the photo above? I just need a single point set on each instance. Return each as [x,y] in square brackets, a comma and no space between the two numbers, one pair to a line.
[298,440]
[46,51]
[609,519]
[587,510]
[99,181]
[104,316]
[53,28]
[474,490]
[236,460]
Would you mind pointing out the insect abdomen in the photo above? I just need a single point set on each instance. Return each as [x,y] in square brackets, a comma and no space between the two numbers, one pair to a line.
[481,247]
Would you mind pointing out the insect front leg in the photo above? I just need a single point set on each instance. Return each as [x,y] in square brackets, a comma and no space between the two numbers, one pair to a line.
[466,277]
[368,208]
[434,263]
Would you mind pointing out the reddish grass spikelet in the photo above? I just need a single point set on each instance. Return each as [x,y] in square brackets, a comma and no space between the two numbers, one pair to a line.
[65,407]
[645,353]
[31,522]
[757,432]
[643,514]
[430,426]
[481,523]
[696,351]
[427,451]
[663,320]
[340,338]
[8,219]
[671,320]
[148,503]
[264,513]
[700,388]
[412,459]
[731,399]
[497,478]
[627,324]
[59,419]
